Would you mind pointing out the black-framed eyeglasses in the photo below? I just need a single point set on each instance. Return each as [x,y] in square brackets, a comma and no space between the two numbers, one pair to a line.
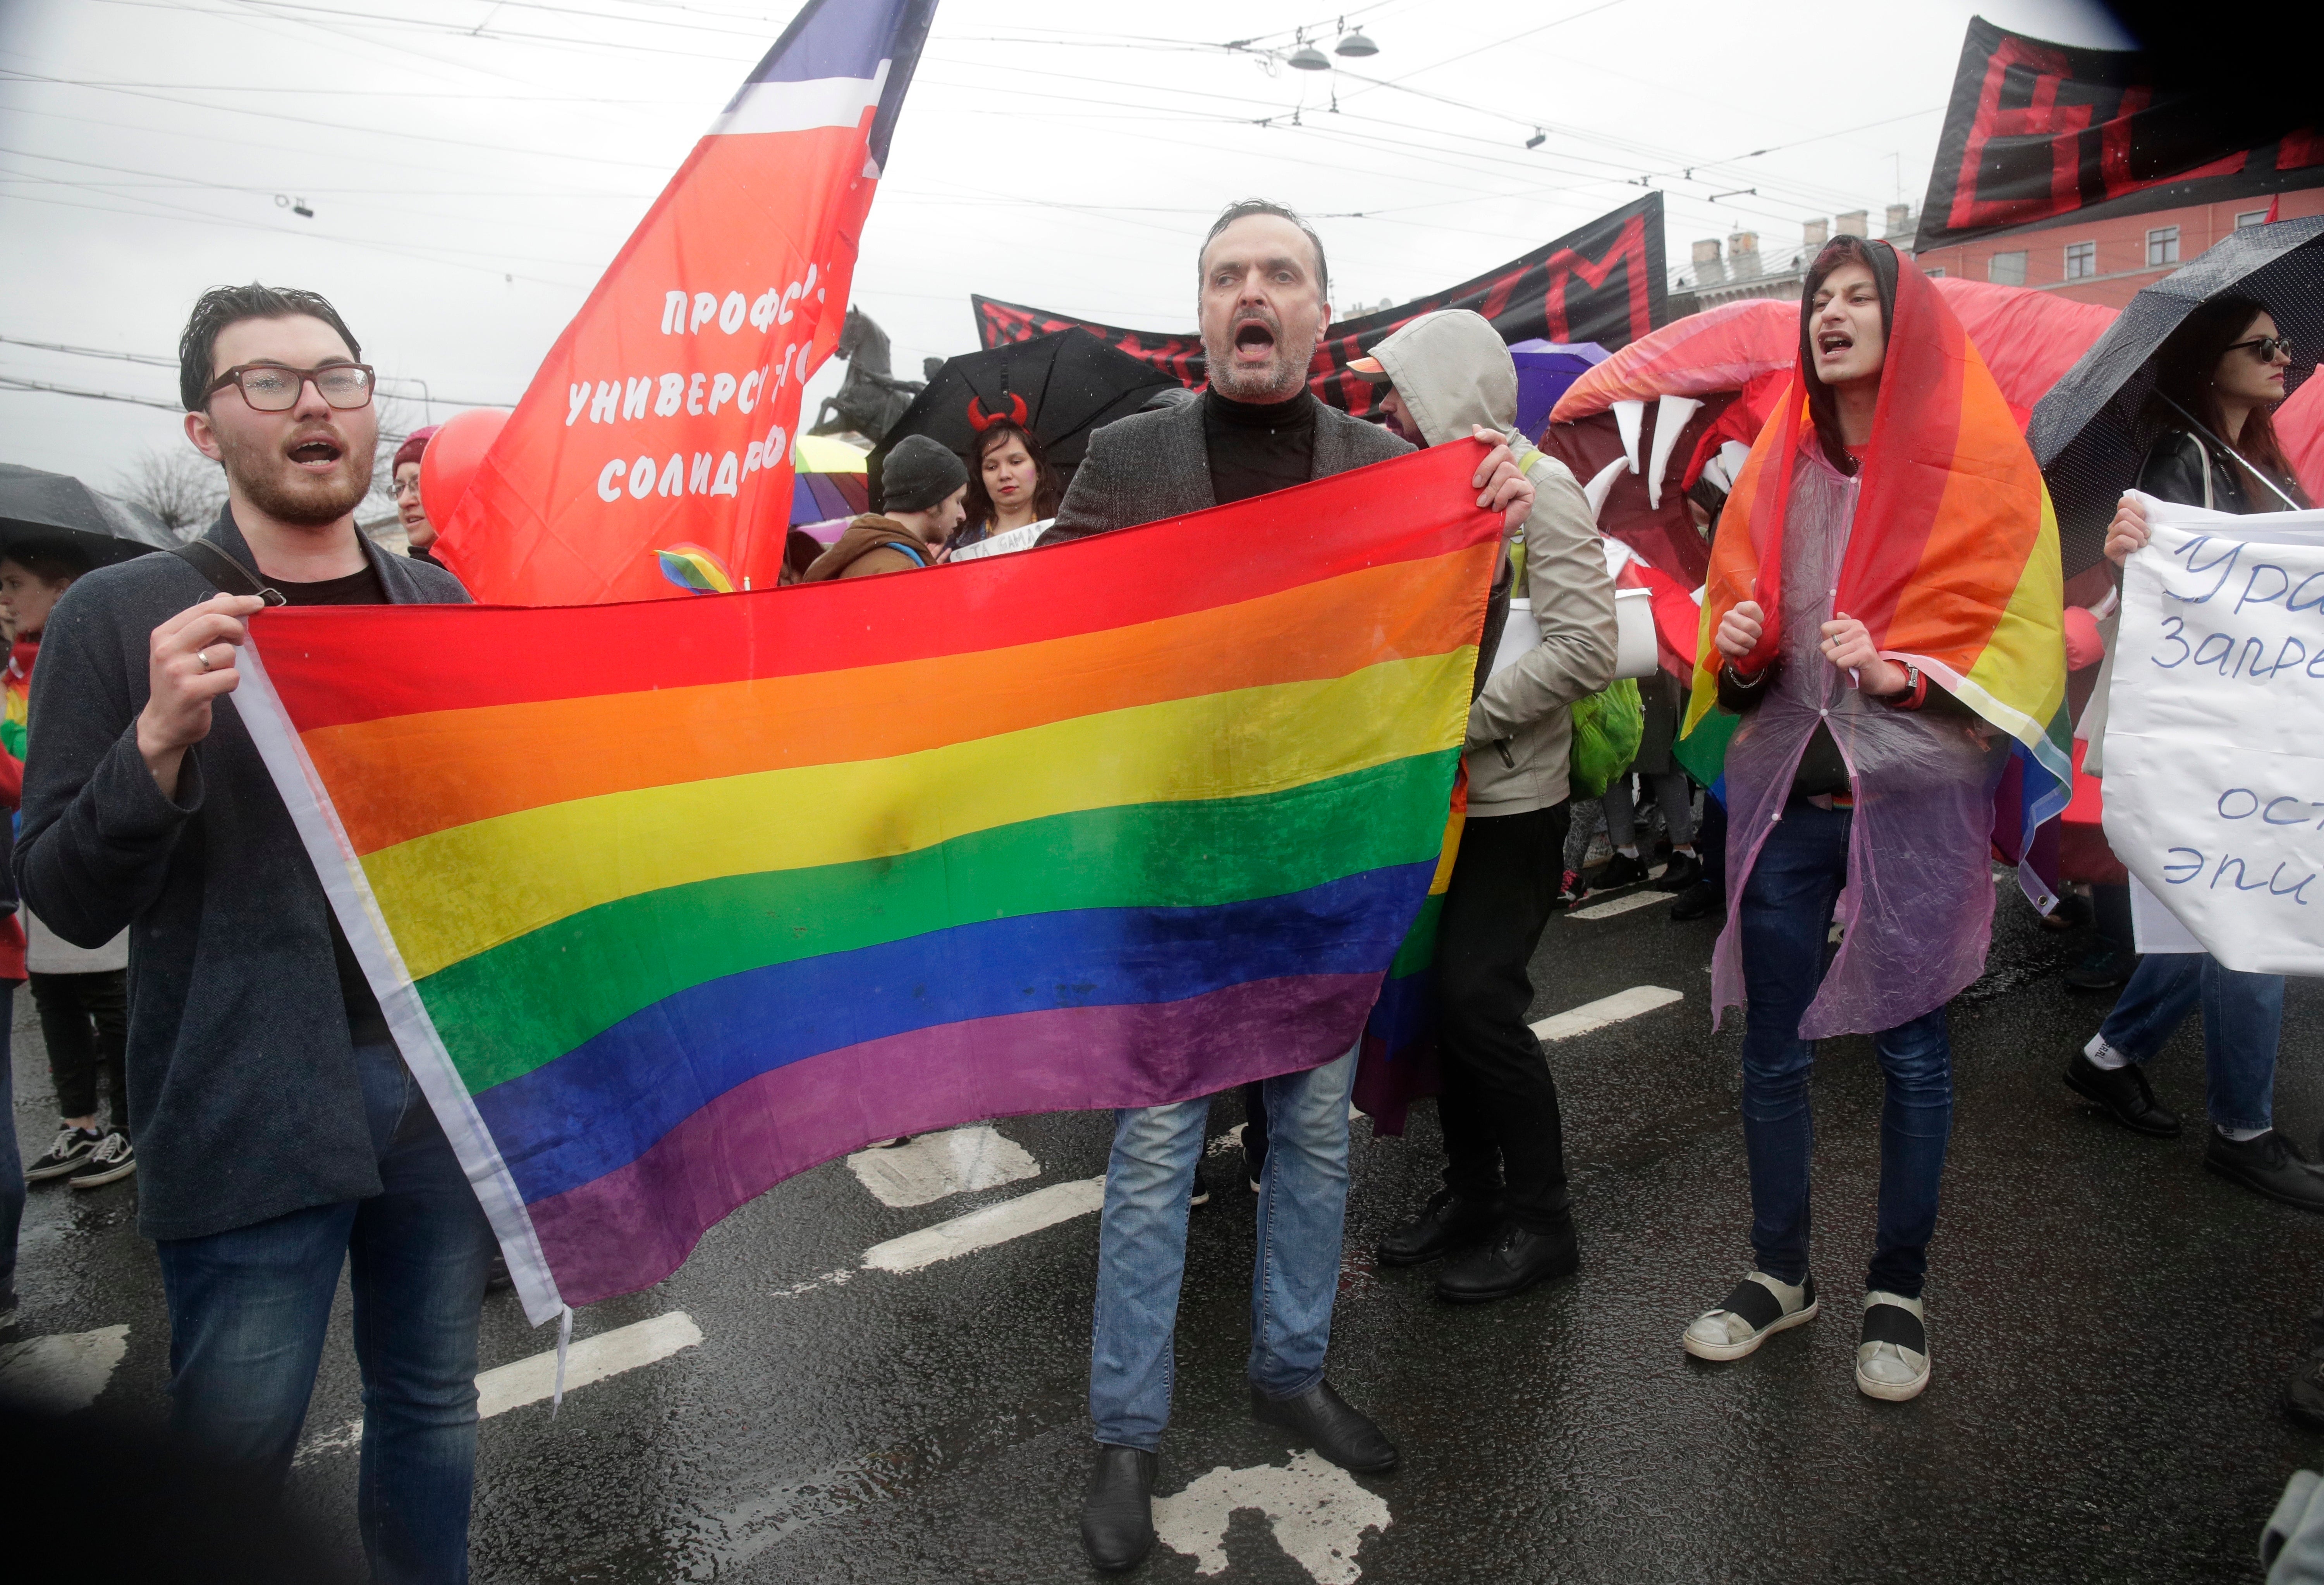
[2266,347]
[274,387]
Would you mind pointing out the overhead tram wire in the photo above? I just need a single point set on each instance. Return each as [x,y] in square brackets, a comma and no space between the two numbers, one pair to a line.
[156,361]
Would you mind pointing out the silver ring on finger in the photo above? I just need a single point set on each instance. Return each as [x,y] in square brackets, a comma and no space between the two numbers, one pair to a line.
[204,656]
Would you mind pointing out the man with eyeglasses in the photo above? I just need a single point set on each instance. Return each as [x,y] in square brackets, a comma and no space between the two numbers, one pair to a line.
[280,1134]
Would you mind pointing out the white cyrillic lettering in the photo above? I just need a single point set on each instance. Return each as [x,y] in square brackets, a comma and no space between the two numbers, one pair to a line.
[746,397]
[722,389]
[730,478]
[642,478]
[699,483]
[609,482]
[771,448]
[694,392]
[579,395]
[636,395]
[763,308]
[673,391]
[673,476]
[783,310]
[731,312]
[673,314]
[705,307]
[606,405]
[752,453]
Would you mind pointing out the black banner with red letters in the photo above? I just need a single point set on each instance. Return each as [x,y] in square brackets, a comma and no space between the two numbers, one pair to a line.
[1601,282]
[2036,130]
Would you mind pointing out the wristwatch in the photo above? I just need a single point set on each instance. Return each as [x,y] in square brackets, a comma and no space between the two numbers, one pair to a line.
[1915,691]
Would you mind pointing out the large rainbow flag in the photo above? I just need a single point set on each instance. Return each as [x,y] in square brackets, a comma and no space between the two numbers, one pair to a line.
[1952,560]
[667,901]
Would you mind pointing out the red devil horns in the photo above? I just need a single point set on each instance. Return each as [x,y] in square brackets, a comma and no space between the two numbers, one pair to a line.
[980,421]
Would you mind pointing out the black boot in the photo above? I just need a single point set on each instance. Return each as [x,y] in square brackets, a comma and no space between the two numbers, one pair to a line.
[1118,1514]
[1327,1423]
[1452,1220]
[1697,900]
[1510,1262]
[2123,1094]
[2269,1165]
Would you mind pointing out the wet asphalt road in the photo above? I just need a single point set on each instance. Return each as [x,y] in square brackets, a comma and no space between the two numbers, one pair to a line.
[2111,1325]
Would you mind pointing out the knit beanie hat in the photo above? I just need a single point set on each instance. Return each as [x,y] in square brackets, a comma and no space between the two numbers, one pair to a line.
[917,473]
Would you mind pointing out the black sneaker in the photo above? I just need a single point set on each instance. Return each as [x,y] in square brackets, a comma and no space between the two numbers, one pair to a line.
[2106,967]
[72,1147]
[112,1160]
[1620,871]
[1697,900]
[1568,889]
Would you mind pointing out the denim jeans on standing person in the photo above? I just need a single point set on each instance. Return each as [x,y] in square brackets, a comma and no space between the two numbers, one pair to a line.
[2242,1016]
[1787,917]
[1141,1249]
[11,1160]
[249,1310]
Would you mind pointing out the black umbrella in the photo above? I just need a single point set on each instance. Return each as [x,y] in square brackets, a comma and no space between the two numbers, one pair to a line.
[58,512]
[2090,435]
[1070,382]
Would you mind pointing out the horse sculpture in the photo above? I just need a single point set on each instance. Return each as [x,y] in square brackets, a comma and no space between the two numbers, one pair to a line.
[870,399]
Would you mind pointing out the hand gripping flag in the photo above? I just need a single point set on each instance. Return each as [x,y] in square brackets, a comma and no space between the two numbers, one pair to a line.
[689,898]
[666,411]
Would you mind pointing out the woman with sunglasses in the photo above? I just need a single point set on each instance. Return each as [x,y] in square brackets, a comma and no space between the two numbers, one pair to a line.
[2217,379]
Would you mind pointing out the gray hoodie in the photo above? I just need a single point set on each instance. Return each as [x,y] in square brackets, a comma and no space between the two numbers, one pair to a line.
[1454,373]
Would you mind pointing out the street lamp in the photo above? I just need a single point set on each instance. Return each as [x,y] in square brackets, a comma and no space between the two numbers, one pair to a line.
[1355,45]
[1308,58]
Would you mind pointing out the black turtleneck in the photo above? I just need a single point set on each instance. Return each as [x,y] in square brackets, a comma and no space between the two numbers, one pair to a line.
[1256,448]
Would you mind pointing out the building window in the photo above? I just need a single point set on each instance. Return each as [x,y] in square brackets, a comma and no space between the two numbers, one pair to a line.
[2082,260]
[2163,246]
[2251,217]
[2007,269]
[1936,274]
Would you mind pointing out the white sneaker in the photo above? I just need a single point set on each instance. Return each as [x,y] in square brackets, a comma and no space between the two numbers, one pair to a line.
[1892,1362]
[1759,1307]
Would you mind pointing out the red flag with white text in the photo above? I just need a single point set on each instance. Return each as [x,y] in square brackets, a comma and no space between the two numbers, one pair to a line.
[666,414]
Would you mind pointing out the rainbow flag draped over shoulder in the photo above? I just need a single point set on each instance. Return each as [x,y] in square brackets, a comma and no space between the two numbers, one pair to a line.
[1952,562]
[667,901]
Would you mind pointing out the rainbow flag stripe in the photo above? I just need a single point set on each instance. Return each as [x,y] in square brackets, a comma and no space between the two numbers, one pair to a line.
[668,901]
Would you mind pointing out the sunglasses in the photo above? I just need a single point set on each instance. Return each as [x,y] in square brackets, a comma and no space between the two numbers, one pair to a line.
[274,387]
[2266,347]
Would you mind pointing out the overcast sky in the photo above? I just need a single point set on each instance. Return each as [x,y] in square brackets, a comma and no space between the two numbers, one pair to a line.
[472,165]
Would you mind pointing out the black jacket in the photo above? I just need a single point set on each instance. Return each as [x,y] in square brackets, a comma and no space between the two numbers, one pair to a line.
[2173,470]
[243,1094]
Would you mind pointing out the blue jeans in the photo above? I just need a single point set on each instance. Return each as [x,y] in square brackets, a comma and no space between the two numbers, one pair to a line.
[249,1309]
[2242,1015]
[1141,1249]
[11,1160]
[1786,916]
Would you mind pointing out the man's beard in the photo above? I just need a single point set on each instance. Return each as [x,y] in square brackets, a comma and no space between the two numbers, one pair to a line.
[289,494]
[1279,379]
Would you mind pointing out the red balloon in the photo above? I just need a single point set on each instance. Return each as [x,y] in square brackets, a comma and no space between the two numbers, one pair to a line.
[448,466]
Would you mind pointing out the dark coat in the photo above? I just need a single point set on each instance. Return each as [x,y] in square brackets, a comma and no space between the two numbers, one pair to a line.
[1151,465]
[243,1094]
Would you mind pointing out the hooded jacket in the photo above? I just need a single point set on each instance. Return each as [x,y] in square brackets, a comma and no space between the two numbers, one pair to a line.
[1453,372]
[870,545]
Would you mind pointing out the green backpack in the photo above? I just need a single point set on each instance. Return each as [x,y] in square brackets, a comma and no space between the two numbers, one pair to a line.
[1607,727]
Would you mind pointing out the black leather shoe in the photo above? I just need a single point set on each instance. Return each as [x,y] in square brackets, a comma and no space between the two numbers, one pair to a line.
[2270,1165]
[2122,1093]
[1118,1514]
[1452,1220]
[1325,1422]
[1508,1263]
[2106,967]
[1697,900]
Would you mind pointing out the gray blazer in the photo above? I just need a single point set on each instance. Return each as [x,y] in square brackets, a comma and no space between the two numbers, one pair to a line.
[1151,465]
[243,1093]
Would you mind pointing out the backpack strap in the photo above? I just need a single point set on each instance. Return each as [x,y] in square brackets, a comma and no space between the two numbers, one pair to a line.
[224,572]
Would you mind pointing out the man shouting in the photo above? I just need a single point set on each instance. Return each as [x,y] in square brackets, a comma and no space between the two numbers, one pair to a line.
[1264,299]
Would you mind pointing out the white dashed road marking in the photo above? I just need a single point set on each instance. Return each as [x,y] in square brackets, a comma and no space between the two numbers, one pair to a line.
[935,1166]
[1620,905]
[61,1373]
[1317,1511]
[994,1224]
[1605,1010]
[532,1379]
